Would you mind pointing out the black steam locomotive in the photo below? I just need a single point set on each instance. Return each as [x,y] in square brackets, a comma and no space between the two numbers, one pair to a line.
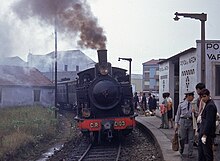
[104,100]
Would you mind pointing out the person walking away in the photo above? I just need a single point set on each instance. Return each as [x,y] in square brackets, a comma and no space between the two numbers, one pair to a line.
[150,102]
[207,128]
[136,101]
[170,110]
[163,110]
[154,106]
[144,102]
[183,122]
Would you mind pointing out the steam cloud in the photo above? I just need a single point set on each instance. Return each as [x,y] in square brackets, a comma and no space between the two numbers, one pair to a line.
[72,17]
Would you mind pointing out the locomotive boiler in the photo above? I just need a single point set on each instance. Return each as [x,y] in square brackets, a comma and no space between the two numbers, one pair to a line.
[104,100]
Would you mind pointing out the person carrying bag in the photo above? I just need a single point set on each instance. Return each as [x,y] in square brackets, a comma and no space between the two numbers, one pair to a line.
[175,142]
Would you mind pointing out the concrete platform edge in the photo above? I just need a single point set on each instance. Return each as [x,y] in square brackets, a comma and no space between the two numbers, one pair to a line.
[161,139]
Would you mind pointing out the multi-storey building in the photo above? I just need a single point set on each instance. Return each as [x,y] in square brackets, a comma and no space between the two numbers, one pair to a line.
[151,76]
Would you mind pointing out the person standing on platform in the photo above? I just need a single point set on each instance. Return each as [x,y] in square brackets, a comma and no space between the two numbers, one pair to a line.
[199,87]
[169,109]
[150,102]
[184,123]
[144,102]
[207,127]
[163,110]
[136,101]
[154,106]
[198,105]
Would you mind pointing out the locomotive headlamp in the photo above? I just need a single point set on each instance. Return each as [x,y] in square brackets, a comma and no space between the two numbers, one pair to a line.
[103,70]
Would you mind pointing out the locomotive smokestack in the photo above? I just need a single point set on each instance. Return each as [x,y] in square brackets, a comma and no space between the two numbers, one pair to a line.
[102,56]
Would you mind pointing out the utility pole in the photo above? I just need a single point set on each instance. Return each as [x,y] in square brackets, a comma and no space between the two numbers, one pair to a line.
[55,56]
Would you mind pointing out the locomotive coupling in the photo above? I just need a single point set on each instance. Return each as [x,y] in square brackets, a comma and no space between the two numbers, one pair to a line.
[107,127]
[107,124]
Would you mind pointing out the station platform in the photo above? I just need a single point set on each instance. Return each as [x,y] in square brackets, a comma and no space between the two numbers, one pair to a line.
[164,137]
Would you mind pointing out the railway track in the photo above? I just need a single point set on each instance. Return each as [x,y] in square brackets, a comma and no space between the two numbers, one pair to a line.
[106,152]
[138,146]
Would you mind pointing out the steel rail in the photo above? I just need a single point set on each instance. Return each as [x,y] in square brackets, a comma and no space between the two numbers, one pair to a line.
[86,152]
[119,152]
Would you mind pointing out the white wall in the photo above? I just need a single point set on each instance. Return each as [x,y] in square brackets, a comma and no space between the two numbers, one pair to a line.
[163,79]
[19,96]
[188,73]
[212,58]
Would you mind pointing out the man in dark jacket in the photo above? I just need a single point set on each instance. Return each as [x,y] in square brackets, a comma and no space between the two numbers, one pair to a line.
[150,102]
[207,127]
[144,102]
[136,100]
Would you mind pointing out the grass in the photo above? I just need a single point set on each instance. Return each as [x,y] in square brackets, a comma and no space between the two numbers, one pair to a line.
[24,125]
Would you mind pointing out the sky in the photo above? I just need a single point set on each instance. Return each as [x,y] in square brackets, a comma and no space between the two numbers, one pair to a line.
[137,29]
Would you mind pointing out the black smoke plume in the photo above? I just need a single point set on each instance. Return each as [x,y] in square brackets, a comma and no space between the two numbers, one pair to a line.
[72,17]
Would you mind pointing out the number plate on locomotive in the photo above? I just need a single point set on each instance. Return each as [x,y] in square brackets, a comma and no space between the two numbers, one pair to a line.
[119,123]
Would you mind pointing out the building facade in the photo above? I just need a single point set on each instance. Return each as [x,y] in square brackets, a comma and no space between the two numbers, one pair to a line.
[181,72]
[68,64]
[151,76]
[22,86]
[170,78]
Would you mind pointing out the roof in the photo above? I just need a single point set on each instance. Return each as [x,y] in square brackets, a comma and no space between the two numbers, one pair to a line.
[12,61]
[22,76]
[72,58]
[152,62]
[178,55]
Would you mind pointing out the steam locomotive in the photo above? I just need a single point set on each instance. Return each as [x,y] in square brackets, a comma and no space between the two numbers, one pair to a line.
[104,100]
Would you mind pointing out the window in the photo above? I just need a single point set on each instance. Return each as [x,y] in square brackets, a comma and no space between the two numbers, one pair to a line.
[66,68]
[152,72]
[36,95]
[146,76]
[146,83]
[157,82]
[146,68]
[217,80]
